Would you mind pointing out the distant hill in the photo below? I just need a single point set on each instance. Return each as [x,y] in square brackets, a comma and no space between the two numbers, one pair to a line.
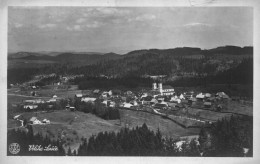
[186,51]
[73,58]
[48,53]
[232,50]
[140,62]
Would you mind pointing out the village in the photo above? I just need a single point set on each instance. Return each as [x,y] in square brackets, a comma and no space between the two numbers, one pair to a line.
[160,100]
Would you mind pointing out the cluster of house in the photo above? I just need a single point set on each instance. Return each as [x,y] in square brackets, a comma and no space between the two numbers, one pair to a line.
[70,77]
[159,97]
[34,103]
[34,121]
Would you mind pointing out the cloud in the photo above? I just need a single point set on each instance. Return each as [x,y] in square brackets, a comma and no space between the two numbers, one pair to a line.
[105,12]
[44,26]
[144,17]
[197,24]
[81,20]
[74,28]
[95,24]
[112,11]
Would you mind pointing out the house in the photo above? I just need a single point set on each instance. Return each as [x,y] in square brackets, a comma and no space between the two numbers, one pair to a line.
[148,100]
[188,95]
[153,101]
[144,95]
[127,105]
[192,101]
[104,94]
[110,93]
[128,93]
[72,108]
[67,107]
[175,99]
[164,90]
[171,104]
[96,91]
[46,121]
[207,95]
[16,117]
[207,104]
[153,93]
[111,104]
[161,106]
[34,120]
[79,95]
[52,100]
[105,102]
[160,98]
[30,106]
[133,102]
[181,96]
[222,95]
[54,96]
[200,96]
[88,99]
[35,101]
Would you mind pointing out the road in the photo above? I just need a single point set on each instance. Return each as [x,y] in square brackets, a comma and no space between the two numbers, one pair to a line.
[12,94]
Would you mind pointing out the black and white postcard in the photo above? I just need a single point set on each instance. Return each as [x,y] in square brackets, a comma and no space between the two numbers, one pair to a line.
[122,80]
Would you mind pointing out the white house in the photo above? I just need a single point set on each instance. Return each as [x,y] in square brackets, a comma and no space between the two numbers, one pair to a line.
[52,100]
[88,99]
[127,105]
[181,96]
[112,104]
[16,117]
[175,99]
[79,95]
[144,95]
[46,121]
[31,106]
[200,96]
[222,95]
[134,103]
[207,95]
[110,93]
[34,120]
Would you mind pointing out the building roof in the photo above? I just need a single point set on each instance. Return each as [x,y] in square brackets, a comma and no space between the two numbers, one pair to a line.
[148,98]
[79,95]
[33,119]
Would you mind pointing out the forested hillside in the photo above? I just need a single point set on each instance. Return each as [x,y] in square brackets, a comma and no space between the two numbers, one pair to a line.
[182,67]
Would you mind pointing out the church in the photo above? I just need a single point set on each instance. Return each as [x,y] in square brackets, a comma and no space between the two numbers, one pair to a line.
[165,90]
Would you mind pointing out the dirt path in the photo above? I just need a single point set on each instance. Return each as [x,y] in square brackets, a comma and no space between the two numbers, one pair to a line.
[11,94]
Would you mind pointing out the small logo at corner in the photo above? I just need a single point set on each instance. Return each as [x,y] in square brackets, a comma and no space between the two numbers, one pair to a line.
[14,148]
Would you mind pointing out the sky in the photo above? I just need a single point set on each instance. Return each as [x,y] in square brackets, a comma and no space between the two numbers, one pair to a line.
[123,29]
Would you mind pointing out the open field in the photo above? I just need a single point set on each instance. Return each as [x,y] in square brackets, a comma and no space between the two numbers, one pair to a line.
[15,95]
[72,126]
[16,99]
[166,126]
[239,108]
[207,114]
